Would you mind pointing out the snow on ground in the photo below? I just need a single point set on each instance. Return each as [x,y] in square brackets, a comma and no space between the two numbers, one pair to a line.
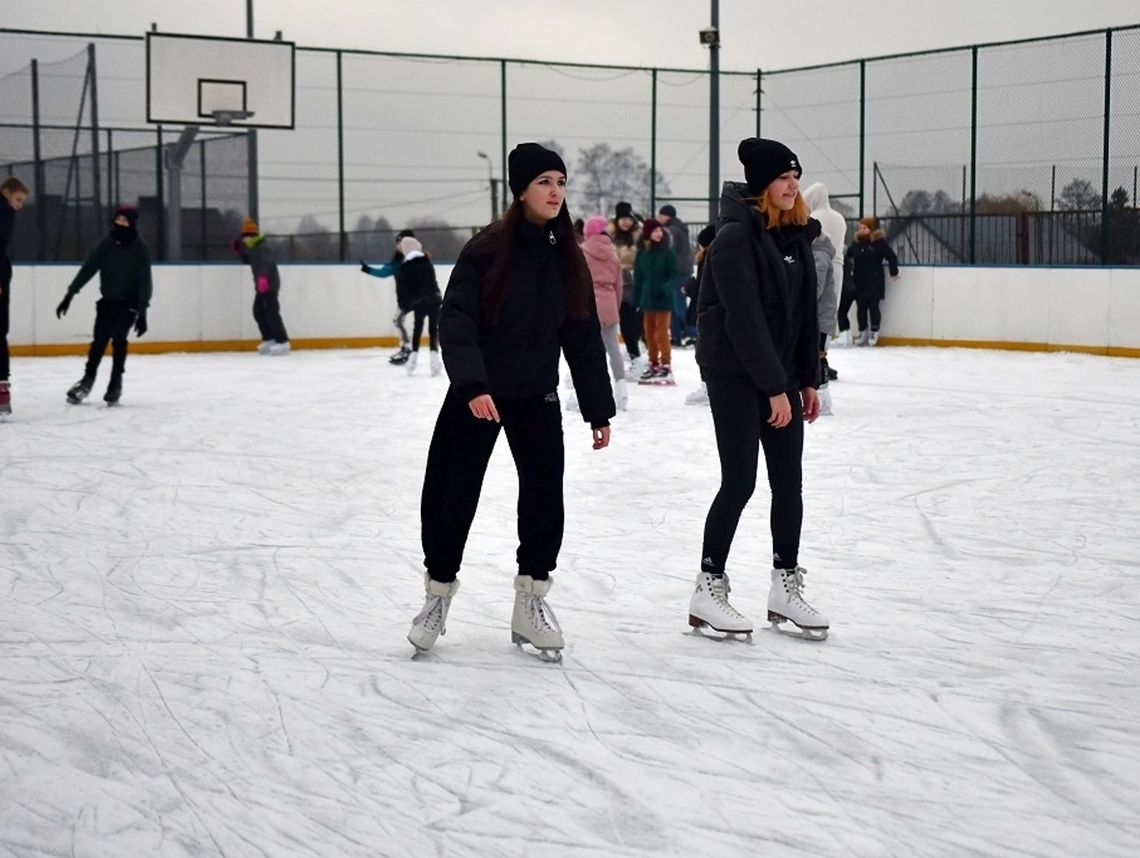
[206,593]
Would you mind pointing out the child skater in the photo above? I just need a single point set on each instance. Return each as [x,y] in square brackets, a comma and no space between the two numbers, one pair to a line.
[14,192]
[758,346]
[654,280]
[520,293]
[262,262]
[122,262]
[415,280]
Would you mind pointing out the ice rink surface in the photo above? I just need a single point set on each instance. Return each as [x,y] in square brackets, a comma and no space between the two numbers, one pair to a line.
[205,594]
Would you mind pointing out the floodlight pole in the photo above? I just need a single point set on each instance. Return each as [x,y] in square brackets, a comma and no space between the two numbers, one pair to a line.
[251,134]
[714,114]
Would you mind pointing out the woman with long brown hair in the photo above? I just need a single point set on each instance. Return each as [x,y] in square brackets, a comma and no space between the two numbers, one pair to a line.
[757,346]
[519,295]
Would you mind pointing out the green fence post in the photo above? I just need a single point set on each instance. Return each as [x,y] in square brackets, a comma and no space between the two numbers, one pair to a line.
[1105,232]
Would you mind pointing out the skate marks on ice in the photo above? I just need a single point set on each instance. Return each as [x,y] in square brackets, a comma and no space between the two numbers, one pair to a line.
[205,611]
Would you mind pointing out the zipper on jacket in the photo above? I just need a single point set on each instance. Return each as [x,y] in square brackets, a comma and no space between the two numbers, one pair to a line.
[553,240]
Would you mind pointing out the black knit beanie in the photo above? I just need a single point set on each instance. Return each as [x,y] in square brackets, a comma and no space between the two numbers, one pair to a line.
[527,162]
[764,161]
[706,235]
[129,212]
[623,210]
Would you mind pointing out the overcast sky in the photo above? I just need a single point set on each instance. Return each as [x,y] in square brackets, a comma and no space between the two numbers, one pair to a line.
[755,33]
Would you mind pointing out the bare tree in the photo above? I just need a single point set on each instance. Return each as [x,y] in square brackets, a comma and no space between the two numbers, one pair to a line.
[1078,196]
[606,176]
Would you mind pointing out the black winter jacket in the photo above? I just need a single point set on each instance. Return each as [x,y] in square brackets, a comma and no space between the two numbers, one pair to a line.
[123,269]
[517,357]
[416,283]
[7,221]
[865,261]
[748,323]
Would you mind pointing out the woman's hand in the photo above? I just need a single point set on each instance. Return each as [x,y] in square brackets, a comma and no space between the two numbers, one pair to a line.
[483,407]
[601,438]
[811,403]
[781,411]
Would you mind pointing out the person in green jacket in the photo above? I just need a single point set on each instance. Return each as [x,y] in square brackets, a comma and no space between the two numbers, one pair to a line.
[122,261]
[654,278]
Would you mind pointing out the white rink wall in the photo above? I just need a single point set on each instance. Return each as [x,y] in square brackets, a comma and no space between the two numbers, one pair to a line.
[208,307]
[1078,309]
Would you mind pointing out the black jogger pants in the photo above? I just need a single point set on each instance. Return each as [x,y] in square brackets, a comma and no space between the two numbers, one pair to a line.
[460,448]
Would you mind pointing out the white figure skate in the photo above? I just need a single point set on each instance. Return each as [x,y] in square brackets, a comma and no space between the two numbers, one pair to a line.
[533,620]
[709,608]
[413,359]
[786,603]
[436,364]
[431,622]
[700,396]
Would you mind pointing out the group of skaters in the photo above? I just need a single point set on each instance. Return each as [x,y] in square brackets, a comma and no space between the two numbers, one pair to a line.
[765,302]
[523,296]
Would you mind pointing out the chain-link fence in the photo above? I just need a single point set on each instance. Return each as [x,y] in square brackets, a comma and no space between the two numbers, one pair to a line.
[1014,153]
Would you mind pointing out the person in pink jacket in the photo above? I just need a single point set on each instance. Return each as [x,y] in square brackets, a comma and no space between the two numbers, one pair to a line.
[605,271]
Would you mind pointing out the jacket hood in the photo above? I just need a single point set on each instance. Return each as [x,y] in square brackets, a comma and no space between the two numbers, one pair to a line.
[600,247]
[816,196]
[737,205]
[875,235]
[824,245]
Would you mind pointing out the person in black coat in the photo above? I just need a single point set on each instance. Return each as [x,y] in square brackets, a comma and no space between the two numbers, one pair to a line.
[864,259]
[757,347]
[13,192]
[419,290]
[519,296]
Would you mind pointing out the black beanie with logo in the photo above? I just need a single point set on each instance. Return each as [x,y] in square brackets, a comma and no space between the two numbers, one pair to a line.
[764,161]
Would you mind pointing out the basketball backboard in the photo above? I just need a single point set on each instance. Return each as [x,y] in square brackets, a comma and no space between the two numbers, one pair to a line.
[205,80]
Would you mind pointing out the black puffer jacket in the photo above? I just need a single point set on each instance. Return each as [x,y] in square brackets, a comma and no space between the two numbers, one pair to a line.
[864,259]
[748,321]
[517,357]
[416,283]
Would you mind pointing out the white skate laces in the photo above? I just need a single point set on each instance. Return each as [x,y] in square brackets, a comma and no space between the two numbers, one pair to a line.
[710,606]
[533,620]
[786,601]
[431,621]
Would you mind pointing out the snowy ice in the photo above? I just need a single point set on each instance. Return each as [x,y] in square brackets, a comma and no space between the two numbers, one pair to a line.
[206,592]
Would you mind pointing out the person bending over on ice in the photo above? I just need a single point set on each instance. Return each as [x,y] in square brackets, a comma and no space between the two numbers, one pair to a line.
[415,279]
[262,262]
[758,348]
[13,193]
[520,292]
[122,262]
[389,269]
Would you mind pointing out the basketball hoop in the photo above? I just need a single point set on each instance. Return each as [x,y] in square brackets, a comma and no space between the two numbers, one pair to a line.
[228,117]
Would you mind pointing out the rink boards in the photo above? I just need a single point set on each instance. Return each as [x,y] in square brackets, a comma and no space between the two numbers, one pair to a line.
[209,308]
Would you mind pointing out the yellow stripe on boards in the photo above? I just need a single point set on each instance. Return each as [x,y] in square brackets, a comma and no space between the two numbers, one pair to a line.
[153,347]
[1002,345]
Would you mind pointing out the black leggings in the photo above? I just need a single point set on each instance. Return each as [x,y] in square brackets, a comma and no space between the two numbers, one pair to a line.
[267,314]
[5,302]
[431,313]
[865,306]
[629,321]
[113,320]
[457,461]
[846,299]
[740,412]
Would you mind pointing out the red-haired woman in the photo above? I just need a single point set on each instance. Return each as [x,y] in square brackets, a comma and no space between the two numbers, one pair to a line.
[758,349]
[520,294]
